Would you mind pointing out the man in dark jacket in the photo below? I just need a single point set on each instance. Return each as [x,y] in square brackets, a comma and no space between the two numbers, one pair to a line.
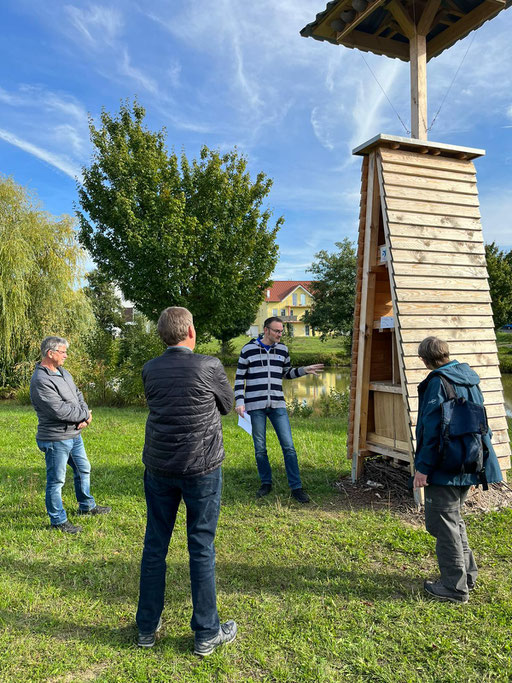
[186,393]
[446,492]
[62,415]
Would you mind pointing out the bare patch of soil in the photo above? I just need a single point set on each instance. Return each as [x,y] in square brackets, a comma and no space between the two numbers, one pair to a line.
[385,486]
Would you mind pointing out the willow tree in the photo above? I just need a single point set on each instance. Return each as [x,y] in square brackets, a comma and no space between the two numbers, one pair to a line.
[40,264]
[169,231]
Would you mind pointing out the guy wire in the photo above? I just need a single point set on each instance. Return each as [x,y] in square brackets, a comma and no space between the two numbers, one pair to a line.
[385,94]
[453,81]
[446,94]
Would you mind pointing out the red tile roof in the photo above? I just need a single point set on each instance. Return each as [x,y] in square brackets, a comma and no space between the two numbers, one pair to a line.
[281,288]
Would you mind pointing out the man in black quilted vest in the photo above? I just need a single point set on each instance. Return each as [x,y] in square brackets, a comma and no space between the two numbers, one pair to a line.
[186,394]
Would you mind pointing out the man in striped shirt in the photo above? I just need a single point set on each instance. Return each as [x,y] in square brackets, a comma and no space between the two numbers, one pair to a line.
[262,365]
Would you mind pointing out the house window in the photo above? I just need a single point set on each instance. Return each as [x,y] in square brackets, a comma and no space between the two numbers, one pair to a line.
[283,311]
[302,299]
[274,312]
[291,311]
[306,330]
[294,299]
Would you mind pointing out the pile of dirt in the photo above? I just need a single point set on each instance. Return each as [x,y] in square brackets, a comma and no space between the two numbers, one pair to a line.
[385,485]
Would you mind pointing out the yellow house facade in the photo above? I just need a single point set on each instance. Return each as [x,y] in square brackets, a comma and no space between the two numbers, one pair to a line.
[289,300]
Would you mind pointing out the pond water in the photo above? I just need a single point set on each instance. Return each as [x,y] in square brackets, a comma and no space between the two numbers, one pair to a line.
[311,387]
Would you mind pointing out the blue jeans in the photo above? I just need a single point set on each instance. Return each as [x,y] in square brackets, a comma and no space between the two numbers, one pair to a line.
[58,454]
[201,495]
[279,419]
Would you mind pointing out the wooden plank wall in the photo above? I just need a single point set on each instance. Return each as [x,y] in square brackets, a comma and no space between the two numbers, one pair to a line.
[357,307]
[438,271]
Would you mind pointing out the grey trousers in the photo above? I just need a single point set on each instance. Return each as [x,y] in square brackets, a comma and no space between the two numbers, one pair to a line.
[443,520]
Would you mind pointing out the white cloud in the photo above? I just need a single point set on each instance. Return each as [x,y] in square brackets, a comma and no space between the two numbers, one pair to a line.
[174,73]
[126,69]
[98,25]
[58,161]
[50,126]
[322,122]
[67,136]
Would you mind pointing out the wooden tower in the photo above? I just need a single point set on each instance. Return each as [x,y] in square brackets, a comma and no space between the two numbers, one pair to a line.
[421,259]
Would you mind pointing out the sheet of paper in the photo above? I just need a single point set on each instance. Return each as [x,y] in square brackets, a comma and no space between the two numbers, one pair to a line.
[245,423]
[387,321]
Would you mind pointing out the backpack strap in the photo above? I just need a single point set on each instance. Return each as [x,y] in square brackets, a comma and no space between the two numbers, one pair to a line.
[448,387]
[482,479]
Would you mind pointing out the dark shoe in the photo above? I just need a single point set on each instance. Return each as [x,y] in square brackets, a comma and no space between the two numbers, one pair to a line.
[226,634]
[471,585]
[149,639]
[437,590]
[98,510]
[263,490]
[67,527]
[301,496]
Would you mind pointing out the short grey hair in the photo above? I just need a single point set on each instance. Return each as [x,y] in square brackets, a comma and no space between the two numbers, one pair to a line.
[52,344]
[173,324]
[434,351]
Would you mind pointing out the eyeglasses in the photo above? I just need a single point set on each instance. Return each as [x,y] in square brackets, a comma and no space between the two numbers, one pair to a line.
[276,331]
[59,350]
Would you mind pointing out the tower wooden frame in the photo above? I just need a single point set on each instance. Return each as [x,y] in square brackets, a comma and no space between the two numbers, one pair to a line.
[421,258]
[421,271]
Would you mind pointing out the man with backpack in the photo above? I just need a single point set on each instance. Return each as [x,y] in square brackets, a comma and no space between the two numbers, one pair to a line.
[453,453]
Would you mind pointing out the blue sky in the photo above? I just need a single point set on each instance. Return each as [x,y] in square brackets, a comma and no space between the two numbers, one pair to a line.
[229,73]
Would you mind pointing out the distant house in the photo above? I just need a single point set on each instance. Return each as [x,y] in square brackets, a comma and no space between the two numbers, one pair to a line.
[289,300]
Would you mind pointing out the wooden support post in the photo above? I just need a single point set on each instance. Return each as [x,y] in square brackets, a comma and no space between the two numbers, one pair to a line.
[362,332]
[418,57]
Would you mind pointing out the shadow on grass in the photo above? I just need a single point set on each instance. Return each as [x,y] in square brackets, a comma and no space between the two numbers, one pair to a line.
[240,482]
[122,638]
[237,579]
[116,580]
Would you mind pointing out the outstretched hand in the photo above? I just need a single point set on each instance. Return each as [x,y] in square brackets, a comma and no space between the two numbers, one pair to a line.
[314,369]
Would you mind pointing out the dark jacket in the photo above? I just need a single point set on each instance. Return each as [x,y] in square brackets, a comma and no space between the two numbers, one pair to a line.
[186,393]
[59,405]
[431,395]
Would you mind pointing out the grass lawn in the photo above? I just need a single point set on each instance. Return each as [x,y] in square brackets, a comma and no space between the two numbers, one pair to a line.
[321,592]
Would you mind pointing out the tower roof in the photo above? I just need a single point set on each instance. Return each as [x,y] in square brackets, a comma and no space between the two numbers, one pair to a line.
[385,27]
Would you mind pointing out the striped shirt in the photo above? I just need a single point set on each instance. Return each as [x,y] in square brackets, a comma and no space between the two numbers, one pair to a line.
[261,373]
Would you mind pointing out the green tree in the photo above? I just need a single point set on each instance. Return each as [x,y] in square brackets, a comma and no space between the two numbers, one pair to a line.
[334,290]
[172,232]
[40,267]
[106,303]
[140,343]
[499,267]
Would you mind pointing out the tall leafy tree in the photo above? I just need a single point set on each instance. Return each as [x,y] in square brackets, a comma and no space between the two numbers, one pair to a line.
[499,267]
[173,232]
[334,290]
[40,267]
[105,302]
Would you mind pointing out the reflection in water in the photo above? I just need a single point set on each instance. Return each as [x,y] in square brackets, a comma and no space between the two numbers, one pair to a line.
[311,387]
